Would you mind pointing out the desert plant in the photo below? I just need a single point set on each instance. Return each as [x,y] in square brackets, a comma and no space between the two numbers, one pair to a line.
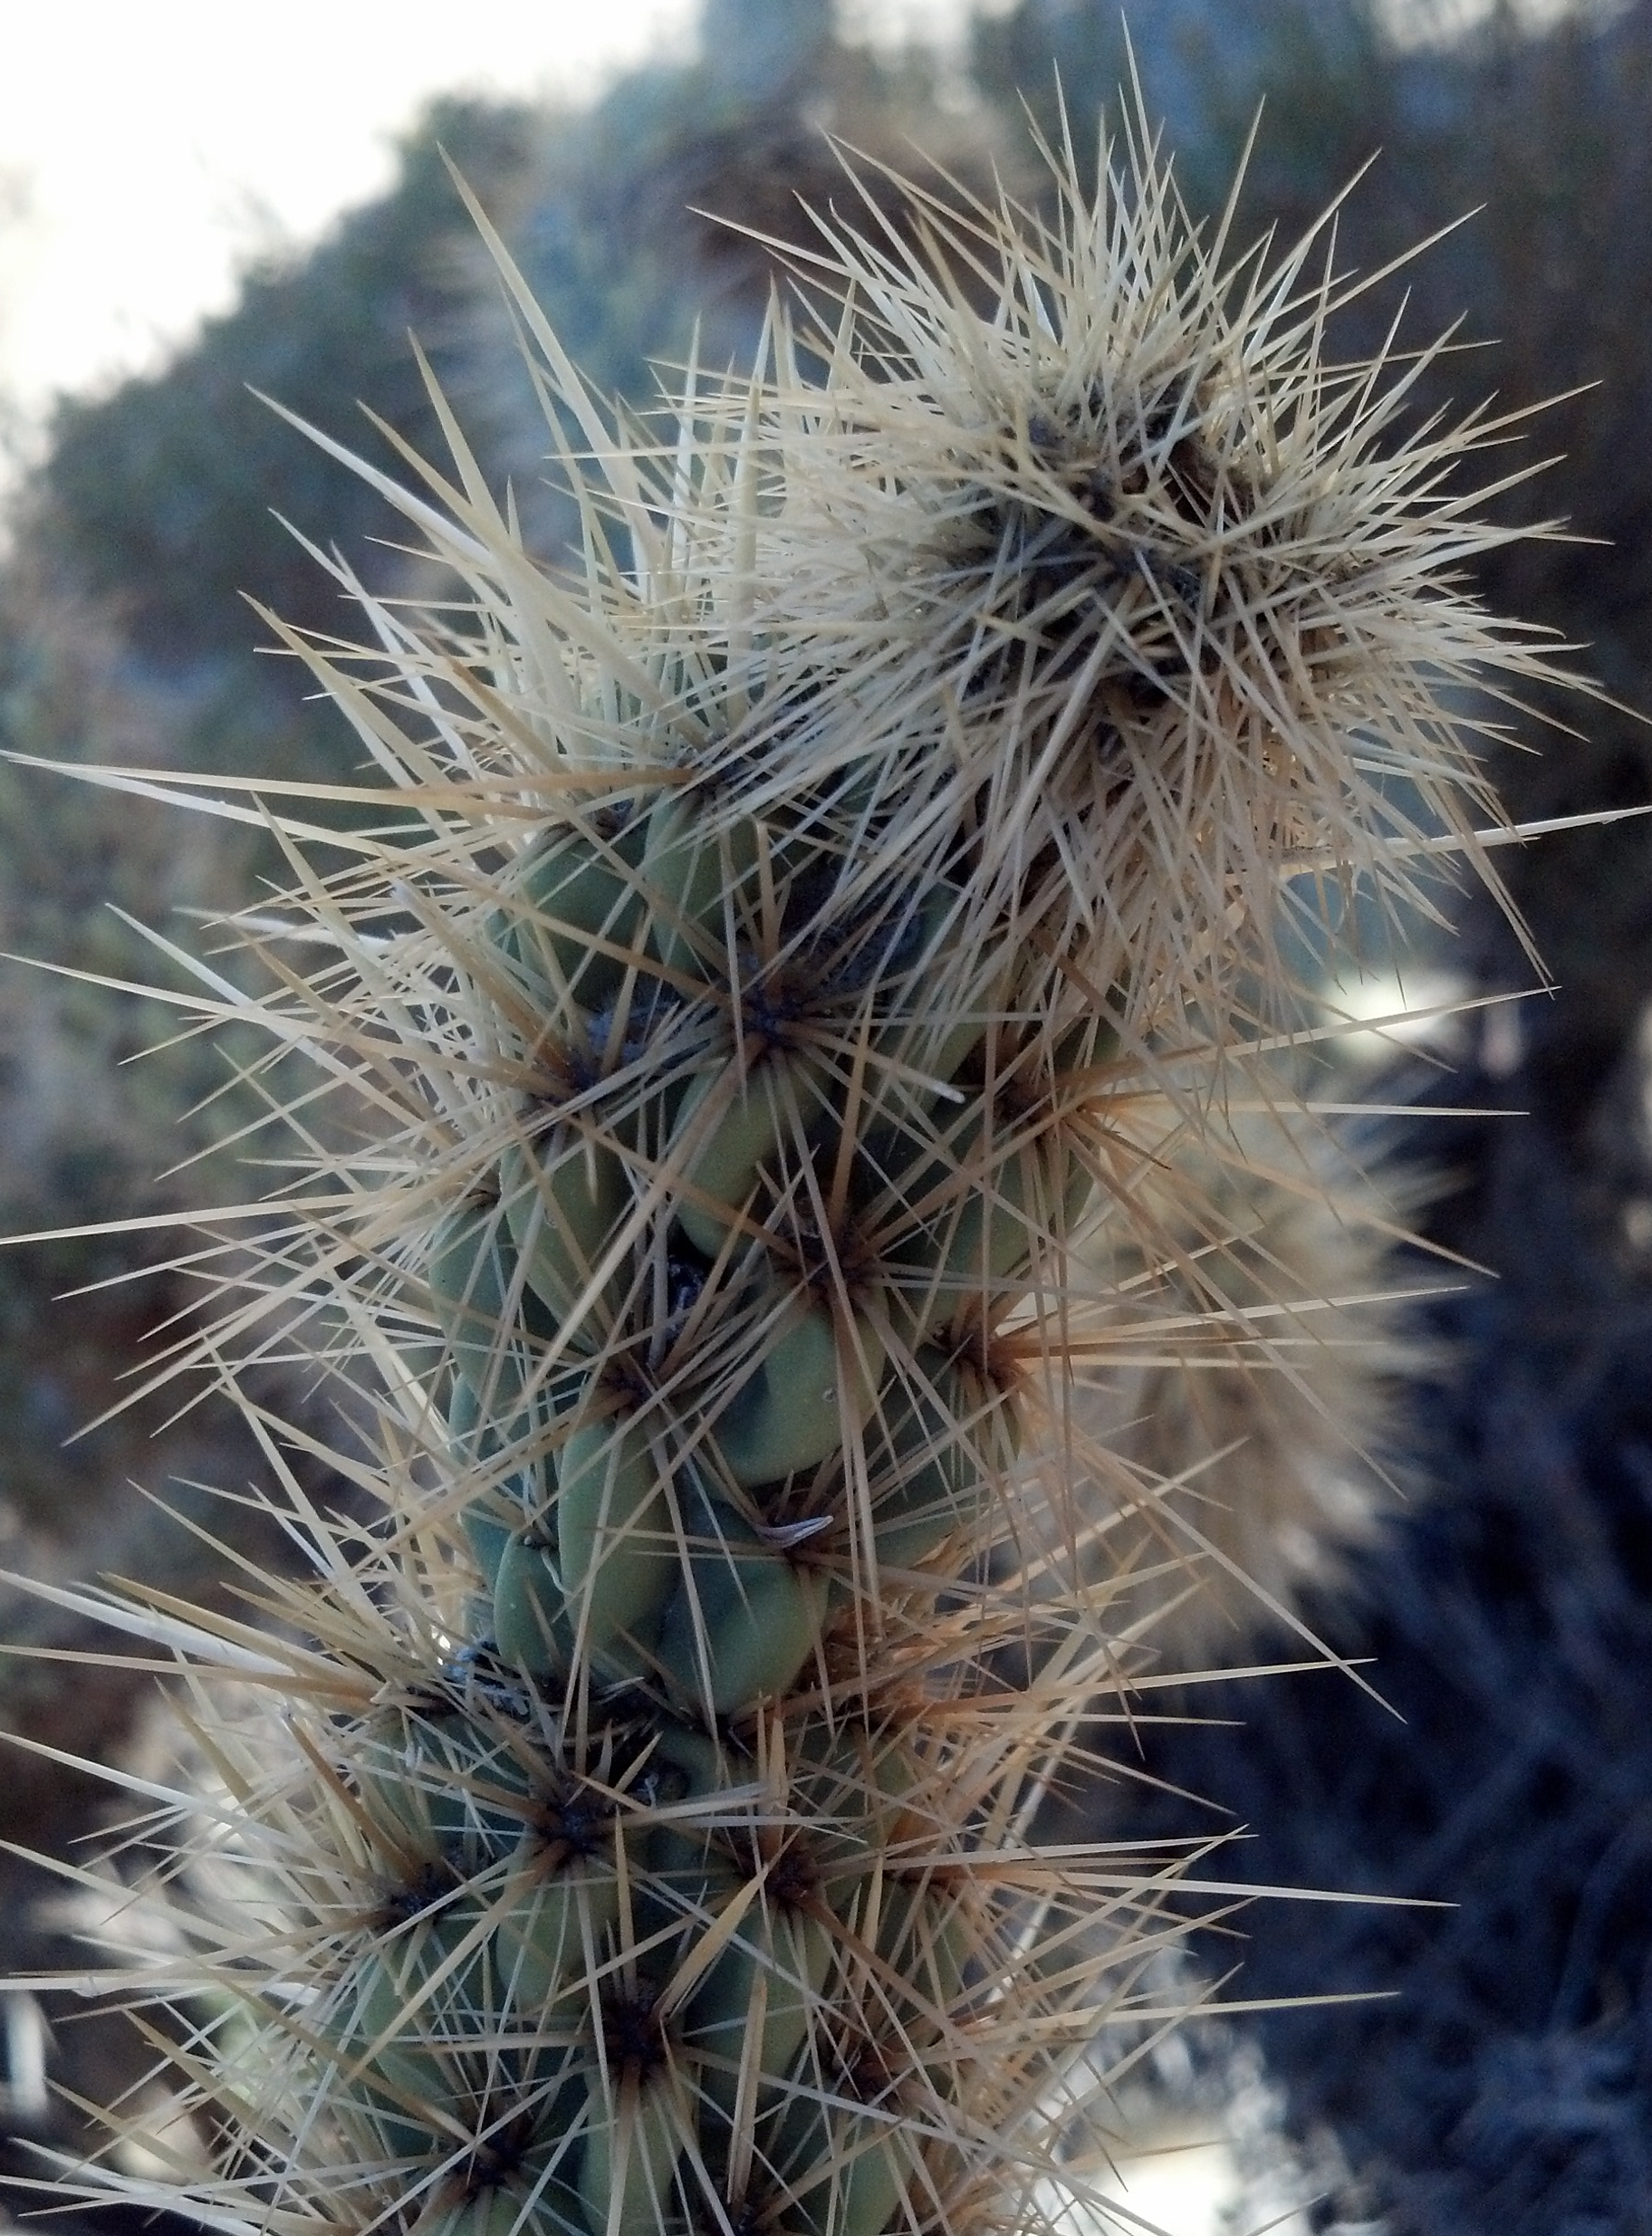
[785,953]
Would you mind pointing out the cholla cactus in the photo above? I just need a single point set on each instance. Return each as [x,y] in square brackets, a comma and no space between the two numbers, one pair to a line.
[728,1055]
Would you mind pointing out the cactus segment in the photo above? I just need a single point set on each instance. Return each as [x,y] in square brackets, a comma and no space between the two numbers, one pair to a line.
[372,2028]
[476,1290]
[618,1541]
[689,1880]
[478,1435]
[530,2201]
[627,2184]
[687,1875]
[565,1906]
[386,2102]
[424,1984]
[927,1454]
[458,1788]
[927,1939]
[698,870]
[851,1792]
[757,1127]
[853,2173]
[685,1760]
[979,1212]
[563,1199]
[934,1047]
[744,1618]
[755,2008]
[533,1622]
[803,1391]
[574,892]
[633,1044]
[473,1435]
[487,1532]
[423,2019]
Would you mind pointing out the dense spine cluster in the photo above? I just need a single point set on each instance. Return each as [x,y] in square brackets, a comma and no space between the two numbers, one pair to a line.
[784,966]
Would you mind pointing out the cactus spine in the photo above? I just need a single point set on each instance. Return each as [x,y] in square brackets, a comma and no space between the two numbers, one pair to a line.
[742,1002]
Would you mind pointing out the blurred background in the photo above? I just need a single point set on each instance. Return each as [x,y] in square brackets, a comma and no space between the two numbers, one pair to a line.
[197,201]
